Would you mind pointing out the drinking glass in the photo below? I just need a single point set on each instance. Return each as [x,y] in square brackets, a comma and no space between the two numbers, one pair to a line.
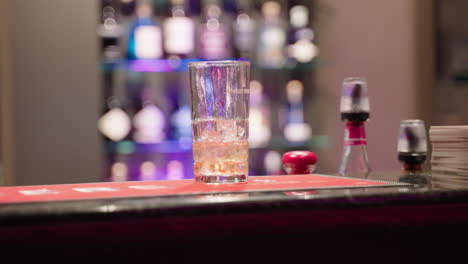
[220,120]
[412,142]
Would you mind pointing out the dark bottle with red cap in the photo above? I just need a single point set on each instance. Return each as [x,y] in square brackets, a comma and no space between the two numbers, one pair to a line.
[299,162]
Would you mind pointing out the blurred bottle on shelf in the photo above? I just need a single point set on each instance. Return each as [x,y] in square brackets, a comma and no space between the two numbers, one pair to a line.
[145,38]
[119,172]
[272,163]
[296,131]
[181,123]
[179,32]
[147,171]
[149,122]
[175,170]
[244,30]
[177,96]
[115,123]
[300,45]
[127,7]
[179,165]
[272,39]
[354,110]
[110,32]
[259,117]
[214,42]
[140,131]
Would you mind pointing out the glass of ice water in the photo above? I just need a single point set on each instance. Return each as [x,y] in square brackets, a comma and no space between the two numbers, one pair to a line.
[220,120]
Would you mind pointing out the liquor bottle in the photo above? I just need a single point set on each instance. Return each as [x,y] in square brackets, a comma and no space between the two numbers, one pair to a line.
[412,152]
[115,123]
[147,171]
[272,39]
[296,131]
[244,31]
[259,116]
[181,122]
[177,99]
[110,32]
[119,172]
[300,46]
[272,163]
[214,34]
[178,32]
[145,41]
[149,122]
[354,110]
[175,170]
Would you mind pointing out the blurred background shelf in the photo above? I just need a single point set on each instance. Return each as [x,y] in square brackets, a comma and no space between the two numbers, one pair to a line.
[55,87]
[143,37]
[181,65]
[183,146]
[147,65]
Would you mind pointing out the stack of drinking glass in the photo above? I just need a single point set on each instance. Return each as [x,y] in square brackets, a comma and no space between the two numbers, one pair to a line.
[449,156]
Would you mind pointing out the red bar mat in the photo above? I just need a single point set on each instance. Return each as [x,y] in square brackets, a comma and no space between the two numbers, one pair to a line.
[41,193]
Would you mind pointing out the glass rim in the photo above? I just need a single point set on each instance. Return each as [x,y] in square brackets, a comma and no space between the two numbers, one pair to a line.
[202,64]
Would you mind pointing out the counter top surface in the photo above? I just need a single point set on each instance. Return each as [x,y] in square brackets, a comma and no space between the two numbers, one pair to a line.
[420,190]
[268,226]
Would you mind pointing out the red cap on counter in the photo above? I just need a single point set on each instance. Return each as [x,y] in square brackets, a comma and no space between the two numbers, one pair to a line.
[299,162]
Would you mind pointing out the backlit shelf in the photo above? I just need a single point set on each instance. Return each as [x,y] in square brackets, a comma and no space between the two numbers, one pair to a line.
[181,65]
[183,146]
[166,65]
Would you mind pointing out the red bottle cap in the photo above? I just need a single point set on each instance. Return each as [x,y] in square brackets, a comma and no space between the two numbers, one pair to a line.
[299,157]
[299,162]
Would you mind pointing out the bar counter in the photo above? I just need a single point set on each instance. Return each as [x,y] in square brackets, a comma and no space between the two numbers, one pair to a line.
[418,221]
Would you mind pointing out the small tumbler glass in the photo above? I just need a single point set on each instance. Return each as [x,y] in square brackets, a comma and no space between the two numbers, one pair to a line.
[220,120]
[412,141]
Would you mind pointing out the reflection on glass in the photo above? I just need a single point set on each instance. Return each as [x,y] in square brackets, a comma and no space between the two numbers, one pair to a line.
[222,198]
[305,194]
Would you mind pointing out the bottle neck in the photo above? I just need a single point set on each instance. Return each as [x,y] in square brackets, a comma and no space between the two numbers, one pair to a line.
[355,134]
